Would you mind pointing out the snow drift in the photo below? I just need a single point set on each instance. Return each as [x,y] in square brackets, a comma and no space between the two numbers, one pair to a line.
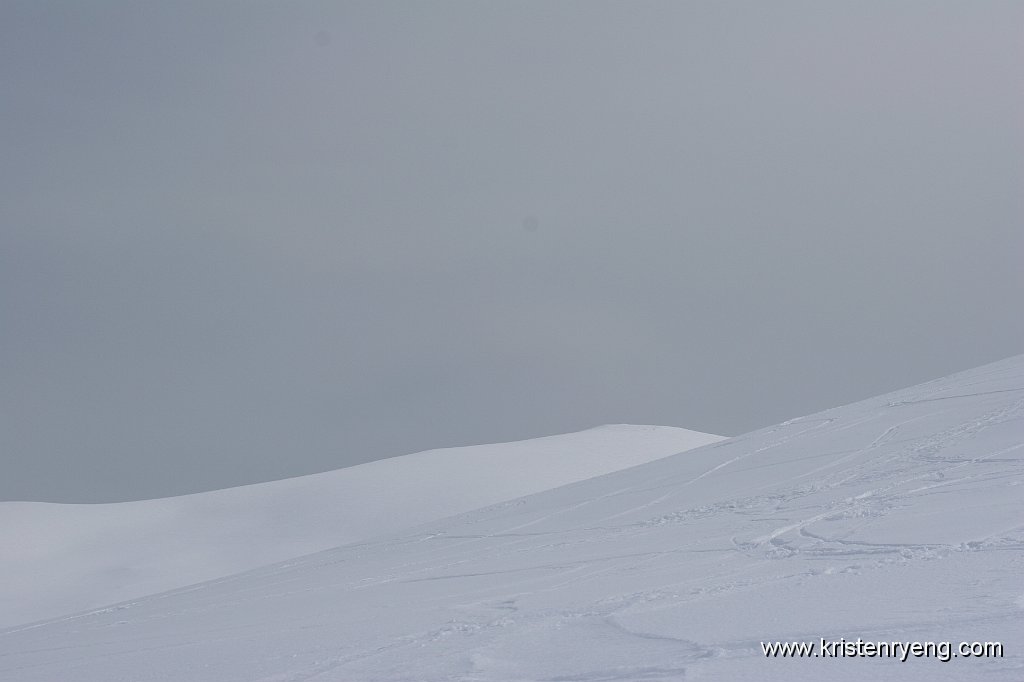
[62,558]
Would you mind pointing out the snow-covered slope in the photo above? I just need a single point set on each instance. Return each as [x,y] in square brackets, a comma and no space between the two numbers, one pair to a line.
[56,559]
[899,518]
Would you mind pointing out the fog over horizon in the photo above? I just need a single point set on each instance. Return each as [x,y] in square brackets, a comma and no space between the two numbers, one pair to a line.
[246,241]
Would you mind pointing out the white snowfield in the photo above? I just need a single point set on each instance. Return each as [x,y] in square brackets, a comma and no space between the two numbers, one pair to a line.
[57,559]
[895,519]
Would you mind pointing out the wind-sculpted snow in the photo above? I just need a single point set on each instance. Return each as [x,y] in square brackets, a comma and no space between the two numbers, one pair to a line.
[62,558]
[899,518]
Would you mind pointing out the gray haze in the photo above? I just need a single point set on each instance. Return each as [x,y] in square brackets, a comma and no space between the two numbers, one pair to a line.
[243,241]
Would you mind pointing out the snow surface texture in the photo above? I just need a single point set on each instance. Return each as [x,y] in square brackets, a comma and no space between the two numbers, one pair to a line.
[62,558]
[895,518]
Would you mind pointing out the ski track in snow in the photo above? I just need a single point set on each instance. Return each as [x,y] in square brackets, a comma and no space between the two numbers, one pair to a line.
[895,518]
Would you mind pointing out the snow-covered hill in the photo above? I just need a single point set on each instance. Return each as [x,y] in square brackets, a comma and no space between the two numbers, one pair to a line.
[56,559]
[895,519]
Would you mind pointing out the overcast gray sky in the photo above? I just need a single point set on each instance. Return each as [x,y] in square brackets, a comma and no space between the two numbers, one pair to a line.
[242,241]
